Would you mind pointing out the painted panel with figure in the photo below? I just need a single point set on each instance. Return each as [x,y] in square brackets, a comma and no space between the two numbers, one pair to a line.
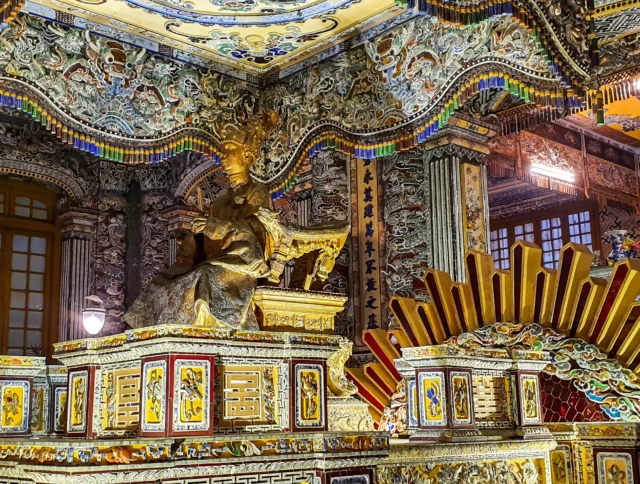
[309,395]
[59,409]
[15,406]
[460,384]
[77,407]
[191,395]
[431,388]
[615,468]
[530,400]
[561,468]
[154,388]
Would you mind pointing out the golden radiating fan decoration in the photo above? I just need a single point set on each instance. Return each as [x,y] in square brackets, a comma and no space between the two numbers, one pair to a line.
[569,300]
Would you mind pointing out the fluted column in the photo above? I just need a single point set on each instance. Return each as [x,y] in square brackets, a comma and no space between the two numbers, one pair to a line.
[458,203]
[77,231]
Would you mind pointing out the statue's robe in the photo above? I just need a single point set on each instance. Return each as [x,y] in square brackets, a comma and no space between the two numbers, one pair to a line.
[215,271]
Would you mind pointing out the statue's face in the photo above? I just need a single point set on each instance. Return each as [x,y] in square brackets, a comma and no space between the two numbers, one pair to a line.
[236,167]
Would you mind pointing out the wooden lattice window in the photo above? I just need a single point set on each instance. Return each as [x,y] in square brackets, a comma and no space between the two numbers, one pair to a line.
[580,228]
[29,269]
[500,248]
[549,229]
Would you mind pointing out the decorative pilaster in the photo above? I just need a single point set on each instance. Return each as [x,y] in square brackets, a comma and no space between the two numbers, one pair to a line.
[458,202]
[155,238]
[178,219]
[330,202]
[407,225]
[110,260]
[110,238]
[78,231]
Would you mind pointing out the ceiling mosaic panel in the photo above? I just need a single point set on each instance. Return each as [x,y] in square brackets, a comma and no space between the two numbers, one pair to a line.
[255,36]
[618,29]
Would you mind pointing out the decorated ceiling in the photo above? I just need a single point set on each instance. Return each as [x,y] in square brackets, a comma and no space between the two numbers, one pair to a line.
[253,37]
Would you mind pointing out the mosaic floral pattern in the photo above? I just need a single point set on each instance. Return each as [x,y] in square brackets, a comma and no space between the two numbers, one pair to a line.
[114,86]
[117,87]
[501,472]
[604,381]
[407,225]
[392,77]
[474,228]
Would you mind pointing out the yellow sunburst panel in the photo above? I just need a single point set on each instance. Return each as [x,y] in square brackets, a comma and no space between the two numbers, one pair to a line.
[569,300]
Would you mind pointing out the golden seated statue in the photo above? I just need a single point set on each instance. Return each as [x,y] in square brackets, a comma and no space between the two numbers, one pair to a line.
[219,263]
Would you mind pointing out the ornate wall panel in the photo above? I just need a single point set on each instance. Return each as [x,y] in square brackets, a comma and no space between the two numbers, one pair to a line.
[611,176]
[389,79]
[526,471]
[140,95]
[154,232]
[407,225]
[545,151]
[110,260]
[610,153]
[28,152]
[330,202]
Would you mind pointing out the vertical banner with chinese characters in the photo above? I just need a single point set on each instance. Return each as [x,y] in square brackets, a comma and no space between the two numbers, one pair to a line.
[369,245]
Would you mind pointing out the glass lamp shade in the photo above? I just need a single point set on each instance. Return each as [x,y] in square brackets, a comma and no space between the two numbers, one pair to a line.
[93,320]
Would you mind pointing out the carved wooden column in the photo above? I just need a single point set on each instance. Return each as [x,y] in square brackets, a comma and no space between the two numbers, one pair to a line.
[457,201]
[330,202]
[109,269]
[154,239]
[78,231]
